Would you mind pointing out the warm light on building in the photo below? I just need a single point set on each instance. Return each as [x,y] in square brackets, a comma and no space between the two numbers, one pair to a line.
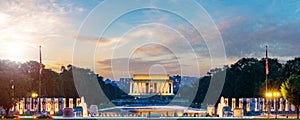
[150,84]
[150,77]
[34,95]
[272,94]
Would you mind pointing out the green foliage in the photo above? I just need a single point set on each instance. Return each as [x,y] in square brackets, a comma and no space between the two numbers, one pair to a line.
[202,89]
[292,67]
[8,78]
[246,78]
[290,91]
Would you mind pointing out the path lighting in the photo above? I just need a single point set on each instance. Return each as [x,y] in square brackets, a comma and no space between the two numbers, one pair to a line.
[34,95]
[273,95]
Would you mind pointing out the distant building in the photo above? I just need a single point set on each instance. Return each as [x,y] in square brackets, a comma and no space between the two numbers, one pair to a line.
[189,81]
[124,83]
[107,81]
[176,82]
[113,83]
[145,84]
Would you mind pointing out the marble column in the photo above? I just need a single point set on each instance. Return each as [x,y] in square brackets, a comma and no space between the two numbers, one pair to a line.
[166,87]
[274,104]
[130,89]
[226,101]
[155,87]
[144,87]
[23,105]
[30,104]
[150,87]
[159,87]
[48,108]
[240,102]
[135,88]
[64,102]
[263,100]
[140,87]
[56,105]
[256,105]
[286,106]
[70,103]
[260,104]
[162,87]
[78,101]
[172,87]
[281,105]
[248,105]
[293,108]
[233,104]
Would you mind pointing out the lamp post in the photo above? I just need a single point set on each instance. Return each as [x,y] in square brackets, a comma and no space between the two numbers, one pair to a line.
[276,96]
[34,95]
[273,95]
[40,79]
[13,92]
[268,95]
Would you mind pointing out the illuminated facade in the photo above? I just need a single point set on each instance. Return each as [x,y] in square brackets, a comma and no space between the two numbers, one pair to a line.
[145,84]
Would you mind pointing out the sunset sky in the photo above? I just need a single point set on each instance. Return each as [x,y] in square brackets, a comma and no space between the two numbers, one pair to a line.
[150,39]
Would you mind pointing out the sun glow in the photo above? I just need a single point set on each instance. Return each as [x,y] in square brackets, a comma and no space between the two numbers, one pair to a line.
[3,18]
[15,50]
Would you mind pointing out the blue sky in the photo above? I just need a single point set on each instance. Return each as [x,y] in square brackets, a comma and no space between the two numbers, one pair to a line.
[274,23]
[173,37]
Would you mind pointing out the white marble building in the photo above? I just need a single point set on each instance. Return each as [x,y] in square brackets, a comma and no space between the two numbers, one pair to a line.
[145,84]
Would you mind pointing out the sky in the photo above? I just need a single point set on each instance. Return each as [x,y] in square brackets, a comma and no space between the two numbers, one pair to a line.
[118,39]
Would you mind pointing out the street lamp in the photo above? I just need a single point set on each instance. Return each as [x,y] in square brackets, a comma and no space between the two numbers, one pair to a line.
[273,95]
[34,95]
[13,91]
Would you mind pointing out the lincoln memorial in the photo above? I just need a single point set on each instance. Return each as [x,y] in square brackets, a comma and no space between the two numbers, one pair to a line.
[151,84]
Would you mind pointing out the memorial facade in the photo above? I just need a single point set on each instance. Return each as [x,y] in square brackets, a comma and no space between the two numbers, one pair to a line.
[151,84]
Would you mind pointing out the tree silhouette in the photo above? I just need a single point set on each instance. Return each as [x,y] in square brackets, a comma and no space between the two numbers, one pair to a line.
[290,91]
[291,67]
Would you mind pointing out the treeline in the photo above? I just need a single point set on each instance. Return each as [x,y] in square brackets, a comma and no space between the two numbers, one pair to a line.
[245,78]
[18,80]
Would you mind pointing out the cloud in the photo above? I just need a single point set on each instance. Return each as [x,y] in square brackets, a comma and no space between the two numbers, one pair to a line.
[122,67]
[50,23]
[149,45]
[95,40]
[32,23]
[249,37]
[152,50]
[246,27]
[32,19]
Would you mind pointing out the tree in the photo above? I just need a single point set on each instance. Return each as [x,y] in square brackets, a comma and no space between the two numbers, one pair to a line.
[7,77]
[290,91]
[6,97]
[67,85]
[51,84]
[291,67]
[244,79]
[202,88]
[7,101]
